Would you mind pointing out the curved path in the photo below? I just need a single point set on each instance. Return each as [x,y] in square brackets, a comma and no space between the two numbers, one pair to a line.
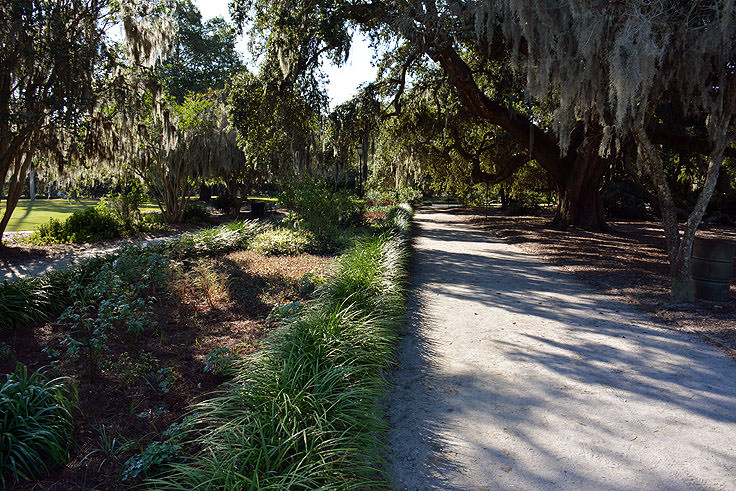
[39,266]
[514,375]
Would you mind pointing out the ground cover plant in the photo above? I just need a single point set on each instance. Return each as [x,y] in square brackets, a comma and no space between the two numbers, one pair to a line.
[36,424]
[139,330]
[145,333]
[304,412]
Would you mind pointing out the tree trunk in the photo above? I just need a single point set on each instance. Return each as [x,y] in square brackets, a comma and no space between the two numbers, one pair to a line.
[577,175]
[364,165]
[244,188]
[679,246]
[580,204]
[32,184]
[17,179]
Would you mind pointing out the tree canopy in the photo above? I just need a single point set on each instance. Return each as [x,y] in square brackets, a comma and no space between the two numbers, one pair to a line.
[203,56]
[48,55]
[605,71]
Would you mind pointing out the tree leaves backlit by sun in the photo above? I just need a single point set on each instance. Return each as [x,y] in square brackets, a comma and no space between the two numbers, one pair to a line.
[48,53]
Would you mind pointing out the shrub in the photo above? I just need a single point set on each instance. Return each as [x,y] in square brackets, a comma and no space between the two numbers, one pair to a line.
[51,232]
[224,202]
[88,225]
[280,241]
[525,202]
[410,195]
[392,197]
[152,220]
[195,213]
[125,206]
[321,209]
[36,423]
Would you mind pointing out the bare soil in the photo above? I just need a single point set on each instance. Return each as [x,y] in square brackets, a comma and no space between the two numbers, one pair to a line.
[629,261]
[210,304]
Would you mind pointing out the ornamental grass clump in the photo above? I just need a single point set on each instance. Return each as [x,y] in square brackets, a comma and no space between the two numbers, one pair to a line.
[229,237]
[280,241]
[305,412]
[36,421]
[33,299]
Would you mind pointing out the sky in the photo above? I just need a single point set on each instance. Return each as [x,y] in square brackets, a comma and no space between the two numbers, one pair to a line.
[343,81]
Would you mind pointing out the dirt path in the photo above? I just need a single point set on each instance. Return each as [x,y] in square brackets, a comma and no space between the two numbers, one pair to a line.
[514,375]
[13,270]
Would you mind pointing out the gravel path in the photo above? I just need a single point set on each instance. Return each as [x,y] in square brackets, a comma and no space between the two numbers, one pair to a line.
[514,375]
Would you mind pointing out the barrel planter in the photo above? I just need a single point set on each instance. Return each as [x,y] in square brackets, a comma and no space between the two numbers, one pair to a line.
[712,268]
[257,209]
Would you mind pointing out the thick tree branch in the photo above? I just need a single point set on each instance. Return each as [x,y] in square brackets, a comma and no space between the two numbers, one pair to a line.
[684,143]
[512,165]
[544,149]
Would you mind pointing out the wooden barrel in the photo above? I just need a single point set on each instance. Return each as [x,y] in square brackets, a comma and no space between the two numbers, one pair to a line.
[712,268]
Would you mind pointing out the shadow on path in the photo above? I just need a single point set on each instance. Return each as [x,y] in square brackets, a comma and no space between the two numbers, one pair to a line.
[514,375]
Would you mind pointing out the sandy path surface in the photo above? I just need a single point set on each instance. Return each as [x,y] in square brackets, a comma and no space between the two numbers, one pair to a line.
[515,375]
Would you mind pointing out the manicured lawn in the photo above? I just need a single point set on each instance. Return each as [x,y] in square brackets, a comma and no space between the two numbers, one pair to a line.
[270,199]
[29,215]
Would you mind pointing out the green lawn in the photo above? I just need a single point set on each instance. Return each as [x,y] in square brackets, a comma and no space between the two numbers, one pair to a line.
[269,199]
[29,215]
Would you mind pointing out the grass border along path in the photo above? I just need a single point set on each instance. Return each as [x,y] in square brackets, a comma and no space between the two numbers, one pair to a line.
[304,412]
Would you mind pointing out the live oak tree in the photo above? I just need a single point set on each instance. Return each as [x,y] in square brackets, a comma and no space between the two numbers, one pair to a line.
[607,67]
[436,141]
[48,55]
[615,65]
[304,30]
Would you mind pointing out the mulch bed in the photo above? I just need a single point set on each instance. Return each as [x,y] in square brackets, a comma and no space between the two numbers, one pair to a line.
[212,303]
[630,261]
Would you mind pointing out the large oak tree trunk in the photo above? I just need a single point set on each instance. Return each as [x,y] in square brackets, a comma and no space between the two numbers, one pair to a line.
[577,175]
[580,204]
